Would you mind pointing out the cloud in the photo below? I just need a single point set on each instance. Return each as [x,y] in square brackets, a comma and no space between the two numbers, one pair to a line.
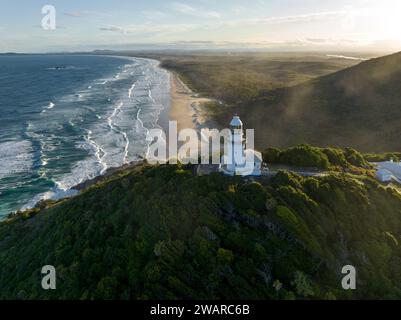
[88,15]
[156,29]
[151,29]
[155,15]
[189,10]
[113,29]
[331,41]
[75,14]
[97,14]
[297,44]
[305,17]
[317,40]
[308,17]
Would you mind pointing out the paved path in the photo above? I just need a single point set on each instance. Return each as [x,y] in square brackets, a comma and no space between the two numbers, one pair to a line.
[206,169]
[319,174]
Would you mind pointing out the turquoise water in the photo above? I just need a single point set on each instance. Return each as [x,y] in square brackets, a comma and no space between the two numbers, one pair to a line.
[66,118]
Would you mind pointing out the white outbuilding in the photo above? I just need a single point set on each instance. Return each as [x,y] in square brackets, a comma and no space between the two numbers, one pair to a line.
[388,171]
[384,175]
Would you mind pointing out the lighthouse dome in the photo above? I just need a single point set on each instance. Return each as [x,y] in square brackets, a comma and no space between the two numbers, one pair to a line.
[236,122]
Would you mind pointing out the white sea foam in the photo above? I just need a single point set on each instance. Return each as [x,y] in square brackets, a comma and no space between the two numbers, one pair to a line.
[16,157]
[54,194]
[125,159]
[139,119]
[113,133]
[113,127]
[50,106]
[80,172]
[84,169]
[99,152]
[150,95]
[116,110]
[47,142]
[130,90]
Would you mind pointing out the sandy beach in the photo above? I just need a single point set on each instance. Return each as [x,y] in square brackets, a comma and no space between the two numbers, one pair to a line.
[185,105]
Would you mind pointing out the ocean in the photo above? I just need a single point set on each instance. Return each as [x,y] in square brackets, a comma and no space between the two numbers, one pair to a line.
[68,118]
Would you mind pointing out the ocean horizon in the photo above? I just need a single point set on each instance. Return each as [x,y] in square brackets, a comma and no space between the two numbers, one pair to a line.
[65,119]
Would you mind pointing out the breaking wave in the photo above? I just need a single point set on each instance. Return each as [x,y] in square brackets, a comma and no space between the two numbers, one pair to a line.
[101,124]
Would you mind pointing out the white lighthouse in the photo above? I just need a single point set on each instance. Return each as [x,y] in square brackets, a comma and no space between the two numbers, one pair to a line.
[237,144]
[239,160]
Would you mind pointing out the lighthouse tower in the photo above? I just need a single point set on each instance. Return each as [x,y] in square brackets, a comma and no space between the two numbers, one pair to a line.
[239,160]
[237,144]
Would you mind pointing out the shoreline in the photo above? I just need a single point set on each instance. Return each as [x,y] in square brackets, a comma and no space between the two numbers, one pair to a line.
[185,108]
[54,191]
[186,105]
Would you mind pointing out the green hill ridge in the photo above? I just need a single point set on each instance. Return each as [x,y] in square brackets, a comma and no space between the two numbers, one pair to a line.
[358,107]
[161,232]
[294,99]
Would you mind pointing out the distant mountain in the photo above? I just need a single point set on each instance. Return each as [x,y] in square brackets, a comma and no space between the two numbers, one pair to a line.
[357,107]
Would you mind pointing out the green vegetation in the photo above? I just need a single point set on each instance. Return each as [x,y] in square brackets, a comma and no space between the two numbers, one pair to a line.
[291,99]
[320,158]
[238,78]
[373,157]
[160,232]
[357,107]
[235,77]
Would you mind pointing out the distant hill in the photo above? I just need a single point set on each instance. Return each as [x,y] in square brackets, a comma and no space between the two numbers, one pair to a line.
[243,77]
[164,233]
[357,107]
[291,99]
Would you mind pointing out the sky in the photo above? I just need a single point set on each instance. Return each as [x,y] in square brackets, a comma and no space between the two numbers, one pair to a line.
[340,25]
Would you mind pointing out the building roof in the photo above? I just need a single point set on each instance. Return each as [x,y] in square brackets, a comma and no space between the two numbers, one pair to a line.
[383,171]
[257,156]
[236,122]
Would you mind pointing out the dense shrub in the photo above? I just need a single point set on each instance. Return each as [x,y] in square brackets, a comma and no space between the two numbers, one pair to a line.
[162,233]
[314,157]
[373,157]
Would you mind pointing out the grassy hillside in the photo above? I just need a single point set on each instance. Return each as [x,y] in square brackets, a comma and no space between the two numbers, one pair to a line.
[334,159]
[234,77]
[163,233]
[292,98]
[358,107]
